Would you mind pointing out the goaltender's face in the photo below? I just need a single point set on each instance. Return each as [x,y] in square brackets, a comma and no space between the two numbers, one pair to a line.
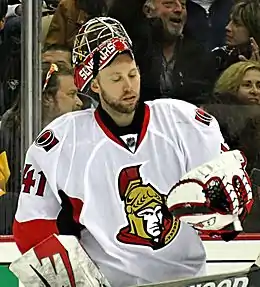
[118,85]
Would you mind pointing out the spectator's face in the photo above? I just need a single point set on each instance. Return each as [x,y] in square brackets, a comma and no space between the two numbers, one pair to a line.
[236,33]
[2,24]
[118,85]
[249,89]
[54,56]
[66,99]
[173,15]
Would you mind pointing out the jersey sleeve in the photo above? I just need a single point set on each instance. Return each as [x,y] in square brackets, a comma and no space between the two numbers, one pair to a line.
[201,138]
[44,188]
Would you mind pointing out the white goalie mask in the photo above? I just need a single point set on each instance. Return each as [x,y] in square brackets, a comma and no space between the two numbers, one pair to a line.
[215,196]
[102,36]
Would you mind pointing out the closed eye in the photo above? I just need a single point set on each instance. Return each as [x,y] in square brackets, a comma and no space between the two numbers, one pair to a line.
[132,76]
[116,79]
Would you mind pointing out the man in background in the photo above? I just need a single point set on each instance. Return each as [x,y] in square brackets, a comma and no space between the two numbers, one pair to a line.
[172,64]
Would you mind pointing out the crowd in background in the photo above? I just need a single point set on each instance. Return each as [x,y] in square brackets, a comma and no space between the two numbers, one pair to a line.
[205,52]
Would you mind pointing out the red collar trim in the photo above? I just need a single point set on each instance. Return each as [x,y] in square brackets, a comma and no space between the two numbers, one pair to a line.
[114,138]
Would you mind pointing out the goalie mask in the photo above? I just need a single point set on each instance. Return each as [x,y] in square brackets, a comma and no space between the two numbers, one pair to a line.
[214,197]
[95,46]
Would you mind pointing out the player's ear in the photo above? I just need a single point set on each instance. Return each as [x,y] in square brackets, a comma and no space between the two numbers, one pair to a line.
[94,85]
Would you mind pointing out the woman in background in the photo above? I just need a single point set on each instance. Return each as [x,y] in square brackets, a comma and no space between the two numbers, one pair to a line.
[241,81]
[237,108]
[242,35]
[236,100]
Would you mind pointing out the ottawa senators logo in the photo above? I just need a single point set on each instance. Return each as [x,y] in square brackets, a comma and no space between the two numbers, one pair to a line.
[149,220]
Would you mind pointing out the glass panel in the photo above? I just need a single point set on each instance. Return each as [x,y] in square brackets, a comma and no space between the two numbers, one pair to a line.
[20,96]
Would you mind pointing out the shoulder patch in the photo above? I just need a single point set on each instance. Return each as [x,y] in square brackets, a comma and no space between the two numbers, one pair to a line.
[203,117]
[46,140]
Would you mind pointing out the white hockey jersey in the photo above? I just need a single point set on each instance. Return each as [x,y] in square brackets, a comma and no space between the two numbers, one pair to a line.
[118,189]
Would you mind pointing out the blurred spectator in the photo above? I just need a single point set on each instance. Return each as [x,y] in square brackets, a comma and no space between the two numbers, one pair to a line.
[172,64]
[48,9]
[242,35]
[10,68]
[241,80]
[207,20]
[13,2]
[59,96]
[237,109]
[3,11]
[59,91]
[249,142]
[69,17]
[51,4]
[57,53]
[236,102]
[14,10]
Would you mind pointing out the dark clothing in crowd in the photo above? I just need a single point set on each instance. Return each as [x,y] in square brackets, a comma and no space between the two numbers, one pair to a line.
[208,27]
[186,79]
[226,56]
[13,2]
[240,127]
[10,68]
[10,142]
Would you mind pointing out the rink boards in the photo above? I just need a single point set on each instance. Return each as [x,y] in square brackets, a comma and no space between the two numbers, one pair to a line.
[221,256]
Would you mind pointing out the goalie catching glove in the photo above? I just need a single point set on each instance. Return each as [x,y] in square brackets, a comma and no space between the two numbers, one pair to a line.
[214,197]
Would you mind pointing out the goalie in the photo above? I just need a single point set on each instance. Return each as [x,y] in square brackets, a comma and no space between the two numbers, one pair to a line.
[104,176]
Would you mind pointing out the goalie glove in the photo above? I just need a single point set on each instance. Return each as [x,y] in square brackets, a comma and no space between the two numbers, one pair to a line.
[214,197]
[58,261]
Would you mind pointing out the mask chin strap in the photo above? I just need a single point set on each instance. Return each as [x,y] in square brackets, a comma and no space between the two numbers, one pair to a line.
[96,61]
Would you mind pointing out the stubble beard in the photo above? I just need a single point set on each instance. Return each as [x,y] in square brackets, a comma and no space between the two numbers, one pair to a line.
[117,106]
